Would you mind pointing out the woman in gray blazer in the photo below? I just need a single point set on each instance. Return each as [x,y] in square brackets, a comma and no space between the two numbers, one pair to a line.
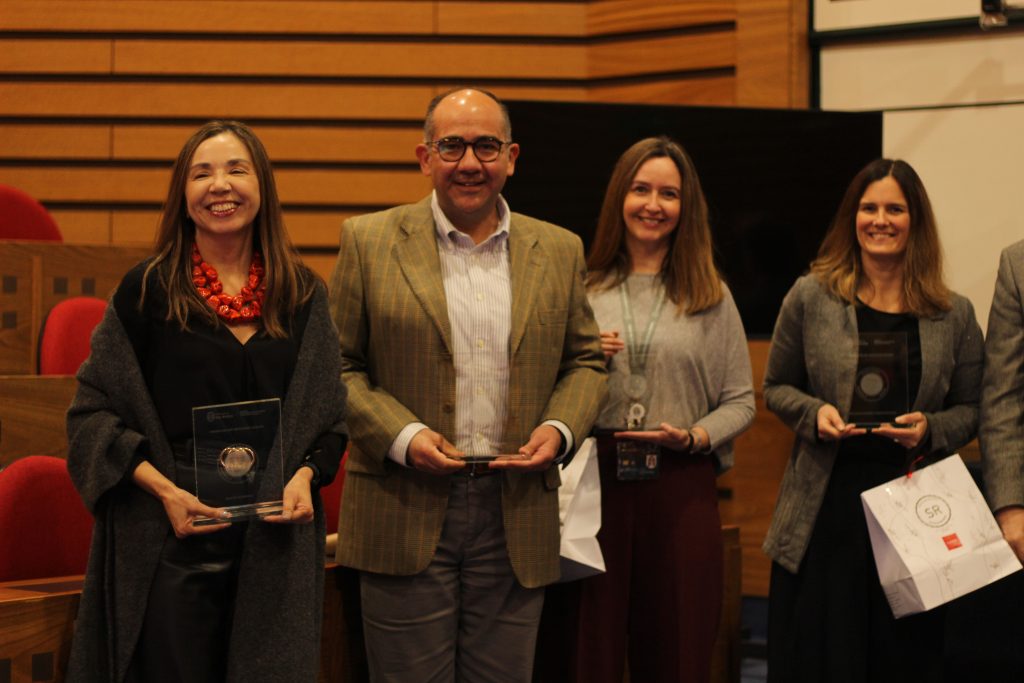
[879,270]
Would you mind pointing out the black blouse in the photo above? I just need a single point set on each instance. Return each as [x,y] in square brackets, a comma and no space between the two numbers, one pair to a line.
[872,446]
[207,365]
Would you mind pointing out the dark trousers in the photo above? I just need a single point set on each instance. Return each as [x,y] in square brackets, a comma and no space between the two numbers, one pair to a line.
[187,627]
[661,597]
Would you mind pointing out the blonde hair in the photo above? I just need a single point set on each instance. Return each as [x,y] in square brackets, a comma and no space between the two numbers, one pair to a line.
[688,272]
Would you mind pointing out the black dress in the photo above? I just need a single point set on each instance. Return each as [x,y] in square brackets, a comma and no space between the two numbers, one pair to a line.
[831,621]
[188,614]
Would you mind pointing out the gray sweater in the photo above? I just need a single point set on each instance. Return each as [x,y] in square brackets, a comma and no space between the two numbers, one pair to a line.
[698,369]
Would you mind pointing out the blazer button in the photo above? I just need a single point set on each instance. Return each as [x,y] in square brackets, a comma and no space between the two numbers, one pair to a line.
[448,408]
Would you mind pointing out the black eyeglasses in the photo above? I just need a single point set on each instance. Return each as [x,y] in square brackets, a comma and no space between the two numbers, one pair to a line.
[484,149]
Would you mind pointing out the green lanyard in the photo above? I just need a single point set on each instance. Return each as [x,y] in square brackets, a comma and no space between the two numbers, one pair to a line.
[638,352]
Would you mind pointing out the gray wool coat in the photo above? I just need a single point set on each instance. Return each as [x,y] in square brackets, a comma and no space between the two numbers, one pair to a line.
[276,625]
[813,361]
[1002,399]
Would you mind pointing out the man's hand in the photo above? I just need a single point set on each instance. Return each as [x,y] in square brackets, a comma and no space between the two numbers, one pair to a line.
[432,453]
[536,454]
[1011,521]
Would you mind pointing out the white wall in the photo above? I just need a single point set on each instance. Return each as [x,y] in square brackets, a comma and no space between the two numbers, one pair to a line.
[954,109]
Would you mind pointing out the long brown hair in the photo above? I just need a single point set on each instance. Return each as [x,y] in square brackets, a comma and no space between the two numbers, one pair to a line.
[688,272]
[839,265]
[288,281]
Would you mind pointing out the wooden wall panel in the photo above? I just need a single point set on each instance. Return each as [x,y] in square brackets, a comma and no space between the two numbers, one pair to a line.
[218,16]
[83,226]
[627,16]
[352,59]
[761,456]
[529,19]
[46,141]
[204,100]
[662,54]
[772,59]
[714,90]
[34,56]
[356,144]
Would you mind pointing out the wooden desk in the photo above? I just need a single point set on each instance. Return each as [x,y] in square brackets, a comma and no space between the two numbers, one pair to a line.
[34,276]
[32,410]
[37,620]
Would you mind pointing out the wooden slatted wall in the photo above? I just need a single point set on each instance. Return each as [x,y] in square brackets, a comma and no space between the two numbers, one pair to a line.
[97,96]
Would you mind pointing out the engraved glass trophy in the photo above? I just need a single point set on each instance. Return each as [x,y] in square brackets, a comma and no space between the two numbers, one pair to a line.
[881,389]
[238,461]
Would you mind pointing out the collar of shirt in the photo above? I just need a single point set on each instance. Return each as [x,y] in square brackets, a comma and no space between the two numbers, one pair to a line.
[450,237]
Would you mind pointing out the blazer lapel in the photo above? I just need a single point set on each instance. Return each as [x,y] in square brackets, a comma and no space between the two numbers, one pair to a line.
[417,256]
[933,333]
[526,268]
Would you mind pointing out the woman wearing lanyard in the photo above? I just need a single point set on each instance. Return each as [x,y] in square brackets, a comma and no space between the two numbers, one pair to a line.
[680,391]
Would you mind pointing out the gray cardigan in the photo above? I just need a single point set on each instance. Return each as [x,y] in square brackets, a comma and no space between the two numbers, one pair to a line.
[1002,397]
[276,624]
[813,361]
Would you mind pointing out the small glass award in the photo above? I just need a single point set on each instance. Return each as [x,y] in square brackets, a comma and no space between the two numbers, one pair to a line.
[238,461]
[881,388]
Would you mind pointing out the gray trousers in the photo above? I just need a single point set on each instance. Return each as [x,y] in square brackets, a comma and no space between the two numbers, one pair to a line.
[465,617]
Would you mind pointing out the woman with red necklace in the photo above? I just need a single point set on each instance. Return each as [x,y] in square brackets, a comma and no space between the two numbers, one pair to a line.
[224,312]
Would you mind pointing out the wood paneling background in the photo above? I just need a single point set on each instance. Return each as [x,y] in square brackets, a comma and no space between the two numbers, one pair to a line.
[97,96]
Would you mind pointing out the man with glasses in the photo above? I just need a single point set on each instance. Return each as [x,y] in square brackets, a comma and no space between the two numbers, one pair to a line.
[474,365]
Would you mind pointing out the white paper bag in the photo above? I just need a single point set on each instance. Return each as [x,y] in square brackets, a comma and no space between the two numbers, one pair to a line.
[934,538]
[579,511]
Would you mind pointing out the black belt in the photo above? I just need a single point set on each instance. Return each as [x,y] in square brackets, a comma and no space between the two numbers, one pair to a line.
[477,469]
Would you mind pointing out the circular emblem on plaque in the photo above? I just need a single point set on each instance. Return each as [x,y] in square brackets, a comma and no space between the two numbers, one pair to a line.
[236,461]
[636,386]
[872,384]
[933,511]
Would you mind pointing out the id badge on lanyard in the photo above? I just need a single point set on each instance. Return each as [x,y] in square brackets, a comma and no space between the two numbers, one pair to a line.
[637,460]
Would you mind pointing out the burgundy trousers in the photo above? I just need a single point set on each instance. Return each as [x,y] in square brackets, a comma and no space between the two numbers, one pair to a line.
[661,597]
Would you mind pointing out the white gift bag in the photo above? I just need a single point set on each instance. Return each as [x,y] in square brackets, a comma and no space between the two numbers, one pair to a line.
[579,512]
[934,537]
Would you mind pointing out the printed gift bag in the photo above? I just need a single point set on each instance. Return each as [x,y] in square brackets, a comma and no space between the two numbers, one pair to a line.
[934,538]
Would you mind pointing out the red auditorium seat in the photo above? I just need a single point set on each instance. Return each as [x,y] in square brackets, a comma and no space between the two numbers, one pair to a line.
[45,529]
[64,341]
[23,218]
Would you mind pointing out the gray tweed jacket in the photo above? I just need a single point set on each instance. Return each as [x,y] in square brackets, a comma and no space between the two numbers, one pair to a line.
[276,625]
[813,361]
[1002,395]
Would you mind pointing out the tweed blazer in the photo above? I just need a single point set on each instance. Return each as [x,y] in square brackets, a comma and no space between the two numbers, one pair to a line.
[1002,394]
[388,300]
[813,361]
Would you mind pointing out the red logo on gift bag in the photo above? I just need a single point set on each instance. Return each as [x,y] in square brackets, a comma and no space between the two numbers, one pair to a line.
[952,542]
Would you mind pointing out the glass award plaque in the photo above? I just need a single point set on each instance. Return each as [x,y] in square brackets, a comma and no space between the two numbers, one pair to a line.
[881,388]
[238,463]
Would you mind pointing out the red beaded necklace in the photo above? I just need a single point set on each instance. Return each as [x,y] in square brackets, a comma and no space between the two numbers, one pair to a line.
[245,307]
